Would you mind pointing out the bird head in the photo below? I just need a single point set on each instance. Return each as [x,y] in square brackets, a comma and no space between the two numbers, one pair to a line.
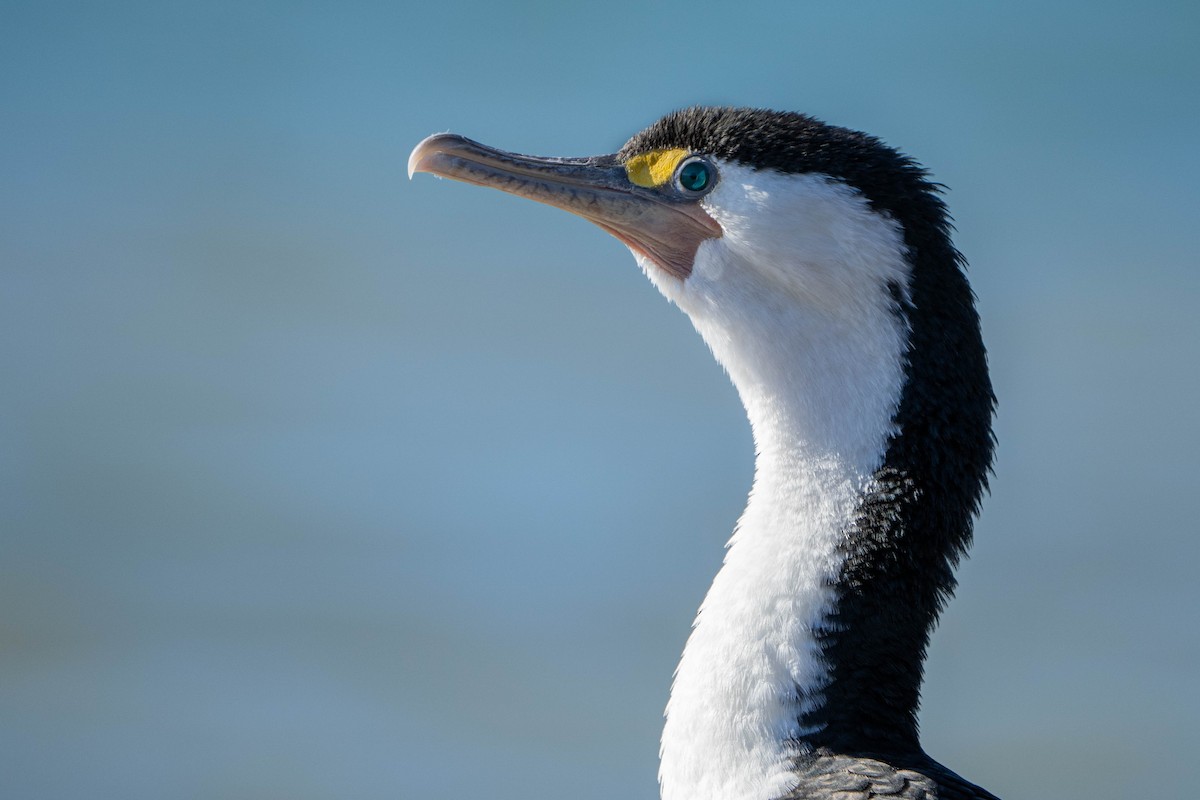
[792,245]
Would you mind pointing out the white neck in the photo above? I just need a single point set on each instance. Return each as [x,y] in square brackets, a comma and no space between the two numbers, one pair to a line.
[821,380]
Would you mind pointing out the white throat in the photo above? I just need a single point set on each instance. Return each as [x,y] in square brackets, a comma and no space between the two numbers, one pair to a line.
[794,302]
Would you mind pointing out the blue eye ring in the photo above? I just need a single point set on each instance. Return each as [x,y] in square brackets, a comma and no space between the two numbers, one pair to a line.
[696,176]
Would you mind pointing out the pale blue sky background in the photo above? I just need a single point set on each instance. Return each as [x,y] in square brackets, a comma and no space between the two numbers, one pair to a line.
[317,483]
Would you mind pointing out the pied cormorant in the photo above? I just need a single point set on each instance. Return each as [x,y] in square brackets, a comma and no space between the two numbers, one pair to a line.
[817,264]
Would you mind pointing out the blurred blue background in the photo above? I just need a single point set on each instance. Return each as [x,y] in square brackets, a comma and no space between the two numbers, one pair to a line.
[315,483]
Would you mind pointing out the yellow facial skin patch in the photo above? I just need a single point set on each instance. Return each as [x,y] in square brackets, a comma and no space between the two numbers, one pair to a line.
[654,168]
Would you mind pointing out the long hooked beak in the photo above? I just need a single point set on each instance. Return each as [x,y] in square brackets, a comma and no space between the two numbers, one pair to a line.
[661,226]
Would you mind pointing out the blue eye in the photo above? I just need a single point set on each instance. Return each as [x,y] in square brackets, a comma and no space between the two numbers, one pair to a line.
[695,175]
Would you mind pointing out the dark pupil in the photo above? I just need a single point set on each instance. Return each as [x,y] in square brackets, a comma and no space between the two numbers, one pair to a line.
[694,176]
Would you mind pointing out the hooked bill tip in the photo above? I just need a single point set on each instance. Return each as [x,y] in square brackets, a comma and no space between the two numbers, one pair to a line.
[414,161]
[425,152]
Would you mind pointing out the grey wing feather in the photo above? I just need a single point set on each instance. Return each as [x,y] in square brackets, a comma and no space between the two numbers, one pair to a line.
[857,778]
[841,777]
